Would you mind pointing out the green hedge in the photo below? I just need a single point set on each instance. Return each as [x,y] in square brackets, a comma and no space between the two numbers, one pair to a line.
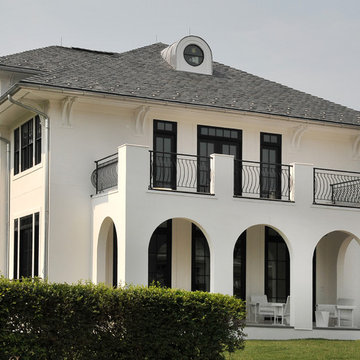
[39,320]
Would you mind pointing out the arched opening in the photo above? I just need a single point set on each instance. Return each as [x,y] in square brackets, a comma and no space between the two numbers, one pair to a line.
[240,267]
[107,256]
[160,255]
[277,267]
[335,262]
[261,270]
[179,256]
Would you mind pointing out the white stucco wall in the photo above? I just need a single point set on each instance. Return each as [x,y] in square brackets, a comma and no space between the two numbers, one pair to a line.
[301,224]
[96,128]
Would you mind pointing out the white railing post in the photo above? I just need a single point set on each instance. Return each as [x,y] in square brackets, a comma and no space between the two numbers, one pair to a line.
[222,175]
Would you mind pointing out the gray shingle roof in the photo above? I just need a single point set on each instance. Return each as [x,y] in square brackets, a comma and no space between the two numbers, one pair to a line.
[144,73]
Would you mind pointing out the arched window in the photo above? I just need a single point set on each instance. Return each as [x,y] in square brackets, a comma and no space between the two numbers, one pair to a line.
[200,274]
[277,267]
[240,267]
[160,255]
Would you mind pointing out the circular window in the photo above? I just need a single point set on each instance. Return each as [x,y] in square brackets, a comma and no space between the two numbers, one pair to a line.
[193,55]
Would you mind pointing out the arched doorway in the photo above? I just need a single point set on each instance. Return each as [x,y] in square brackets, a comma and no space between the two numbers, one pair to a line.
[336,261]
[261,264]
[179,256]
[107,259]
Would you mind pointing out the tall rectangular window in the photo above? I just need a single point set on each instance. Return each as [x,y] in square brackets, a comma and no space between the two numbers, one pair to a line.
[16,150]
[26,246]
[37,140]
[164,161]
[27,145]
[270,170]
[220,141]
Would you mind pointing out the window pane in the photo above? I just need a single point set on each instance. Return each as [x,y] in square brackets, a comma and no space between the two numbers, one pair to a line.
[239,267]
[16,150]
[25,268]
[160,255]
[37,140]
[16,247]
[277,273]
[200,261]
[36,245]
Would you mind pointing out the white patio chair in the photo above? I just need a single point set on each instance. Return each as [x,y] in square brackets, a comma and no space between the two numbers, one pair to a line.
[261,307]
[285,313]
[344,312]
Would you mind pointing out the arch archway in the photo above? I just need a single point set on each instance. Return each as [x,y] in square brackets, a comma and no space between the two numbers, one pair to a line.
[179,255]
[107,254]
[336,259]
[261,264]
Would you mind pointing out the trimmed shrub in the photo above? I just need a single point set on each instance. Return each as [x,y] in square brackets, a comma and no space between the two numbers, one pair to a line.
[39,320]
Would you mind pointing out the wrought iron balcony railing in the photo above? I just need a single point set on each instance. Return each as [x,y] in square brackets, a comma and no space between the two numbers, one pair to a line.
[262,180]
[336,187]
[180,172]
[105,175]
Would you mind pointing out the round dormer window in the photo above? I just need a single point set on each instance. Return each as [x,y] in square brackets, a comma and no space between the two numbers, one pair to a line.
[193,55]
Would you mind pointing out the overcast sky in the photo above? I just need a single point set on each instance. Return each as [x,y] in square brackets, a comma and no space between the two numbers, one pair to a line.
[310,45]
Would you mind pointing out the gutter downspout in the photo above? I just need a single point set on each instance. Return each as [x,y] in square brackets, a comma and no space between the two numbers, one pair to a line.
[7,211]
[46,124]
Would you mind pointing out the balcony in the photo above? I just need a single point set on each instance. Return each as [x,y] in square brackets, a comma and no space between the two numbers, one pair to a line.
[336,187]
[105,175]
[253,180]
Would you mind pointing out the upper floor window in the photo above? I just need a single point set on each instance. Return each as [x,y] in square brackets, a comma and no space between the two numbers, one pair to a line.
[27,145]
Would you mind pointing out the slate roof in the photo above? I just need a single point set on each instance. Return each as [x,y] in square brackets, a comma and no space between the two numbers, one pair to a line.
[144,73]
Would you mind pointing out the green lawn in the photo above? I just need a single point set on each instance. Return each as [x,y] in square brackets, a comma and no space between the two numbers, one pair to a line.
[298,349]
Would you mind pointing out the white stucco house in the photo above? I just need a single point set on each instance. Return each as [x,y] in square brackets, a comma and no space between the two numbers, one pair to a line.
[159,164]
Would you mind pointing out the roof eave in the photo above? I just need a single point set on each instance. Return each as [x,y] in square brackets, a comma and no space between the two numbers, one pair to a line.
[41,86]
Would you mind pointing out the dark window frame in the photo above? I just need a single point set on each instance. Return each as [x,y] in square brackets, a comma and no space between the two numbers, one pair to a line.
[26,246]
[164,163]
[115,258]
[198,236]
[276,238]
[189,55]
[240,257]
[153,252]
[219,141]
[268,168]
[27,145]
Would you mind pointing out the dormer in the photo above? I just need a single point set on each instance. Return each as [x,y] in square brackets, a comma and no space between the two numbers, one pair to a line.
[191,54]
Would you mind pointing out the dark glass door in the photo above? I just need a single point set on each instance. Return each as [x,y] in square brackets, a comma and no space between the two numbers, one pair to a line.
[164,155]
[213,140]
[240,267]
[277,267]
[200,259]
[159,271]
[270,168]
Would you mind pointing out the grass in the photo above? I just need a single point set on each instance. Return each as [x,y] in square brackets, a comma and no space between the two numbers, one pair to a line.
[298,349]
